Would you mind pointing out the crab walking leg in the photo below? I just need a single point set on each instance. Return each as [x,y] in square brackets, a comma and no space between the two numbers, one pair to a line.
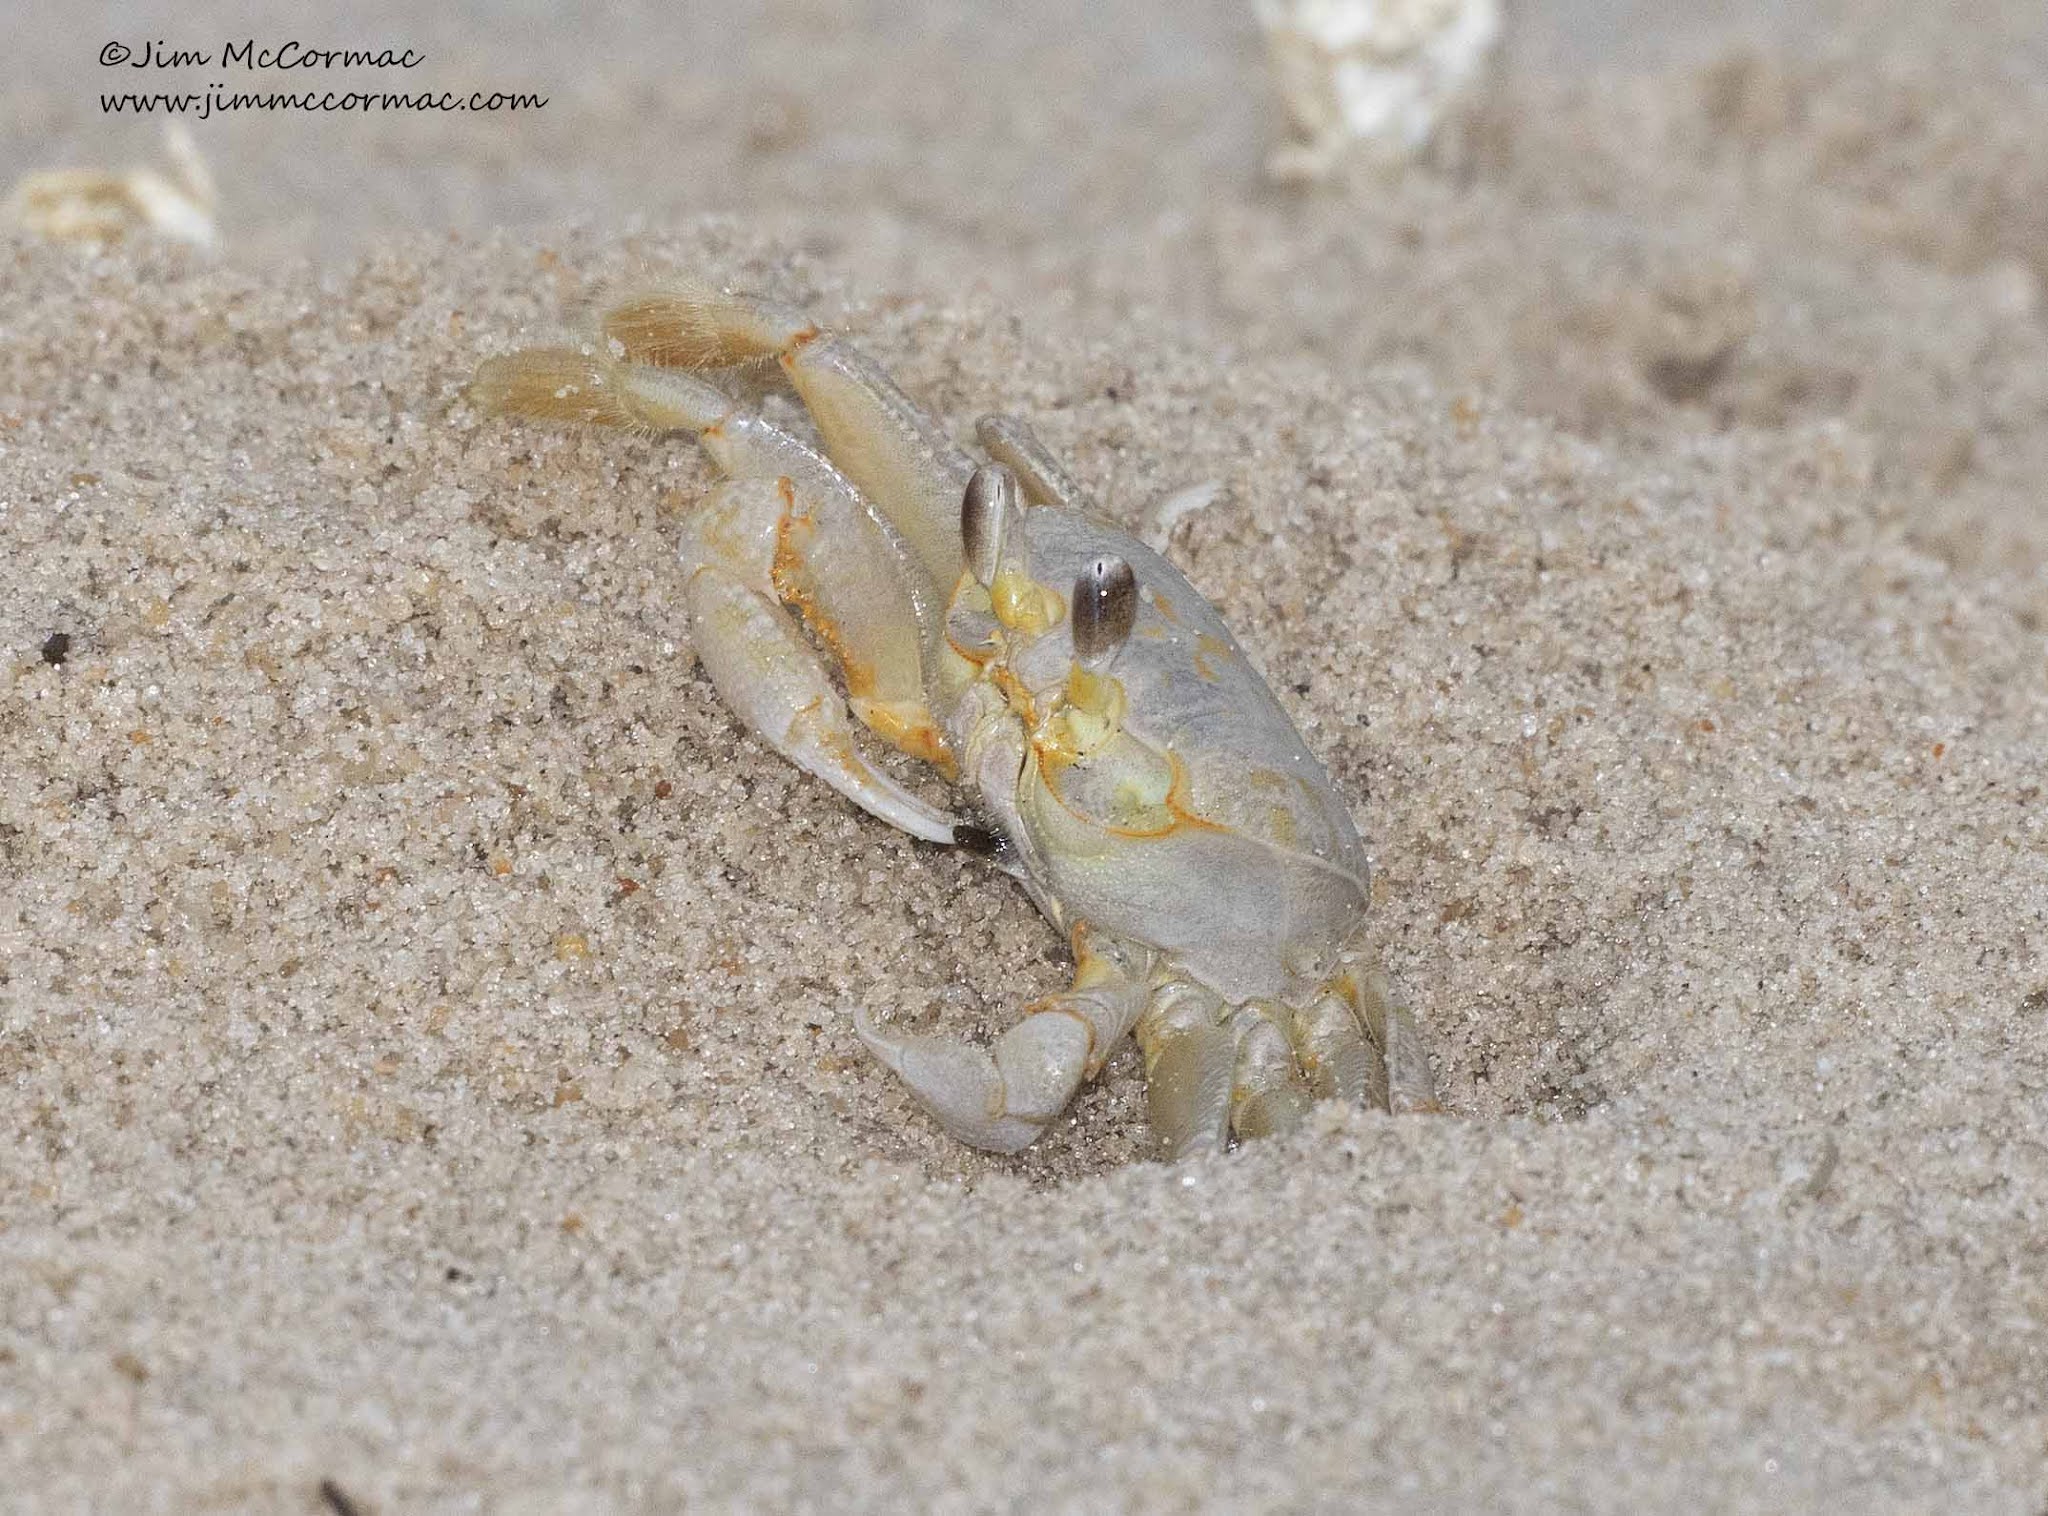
[1001,1098]
[1411,1088]
[759,660]
[855,584]
[894,453]
[566,384]
[1335,1058]
[1267,1095]
[1190,1062]
[1008,440]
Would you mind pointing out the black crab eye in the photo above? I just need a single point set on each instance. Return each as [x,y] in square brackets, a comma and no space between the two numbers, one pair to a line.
[988,515]
[1105,607]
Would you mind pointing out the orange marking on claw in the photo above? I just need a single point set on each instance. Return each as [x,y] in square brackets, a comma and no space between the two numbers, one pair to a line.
[790,575]
[913,734]
[797,342]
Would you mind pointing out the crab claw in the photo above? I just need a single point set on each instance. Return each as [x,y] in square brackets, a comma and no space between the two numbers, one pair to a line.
[1001,1098]
[998,1100]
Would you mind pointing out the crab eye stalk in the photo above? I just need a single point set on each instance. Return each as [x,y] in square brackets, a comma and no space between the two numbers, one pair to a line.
[1105,606]
[988,519]
[998,552]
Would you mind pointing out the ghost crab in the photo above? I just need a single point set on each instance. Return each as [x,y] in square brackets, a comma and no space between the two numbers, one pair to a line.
[1131,770]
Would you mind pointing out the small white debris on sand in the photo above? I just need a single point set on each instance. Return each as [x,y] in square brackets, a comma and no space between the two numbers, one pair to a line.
[93,205]
[1373,73]
[1171,510]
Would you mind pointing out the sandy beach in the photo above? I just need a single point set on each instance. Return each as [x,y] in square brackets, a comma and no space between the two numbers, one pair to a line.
[424,1029]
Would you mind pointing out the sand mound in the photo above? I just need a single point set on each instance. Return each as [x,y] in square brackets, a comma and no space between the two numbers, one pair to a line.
[422,1008]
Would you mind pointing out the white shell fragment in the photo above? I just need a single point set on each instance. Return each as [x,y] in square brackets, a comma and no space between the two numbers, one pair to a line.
[1170,511]
[1373,73]
[94,205]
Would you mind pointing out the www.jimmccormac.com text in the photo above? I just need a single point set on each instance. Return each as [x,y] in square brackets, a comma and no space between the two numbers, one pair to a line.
[216,101]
